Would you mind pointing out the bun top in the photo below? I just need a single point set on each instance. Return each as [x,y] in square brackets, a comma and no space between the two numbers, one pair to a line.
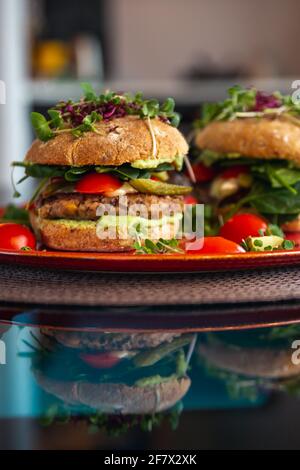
[121,140]
[264,138]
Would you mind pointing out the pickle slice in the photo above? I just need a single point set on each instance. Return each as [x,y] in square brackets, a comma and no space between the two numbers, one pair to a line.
[149,186]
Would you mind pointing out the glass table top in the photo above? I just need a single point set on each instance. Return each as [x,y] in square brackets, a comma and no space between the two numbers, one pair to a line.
[76,380]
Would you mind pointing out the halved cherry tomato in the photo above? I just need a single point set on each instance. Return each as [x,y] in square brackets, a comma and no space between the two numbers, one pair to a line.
[214,245]
[15,237]
[294,237]
[234,172]
[96,183]
[100,360]
[190,200]
[203,173]
[241,226]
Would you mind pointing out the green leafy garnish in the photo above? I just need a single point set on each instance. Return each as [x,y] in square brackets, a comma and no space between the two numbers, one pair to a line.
[162,246]
[82,116]
[72,174]
[276,191]
[114,425]
[15,214]
[249,103]
[41,126]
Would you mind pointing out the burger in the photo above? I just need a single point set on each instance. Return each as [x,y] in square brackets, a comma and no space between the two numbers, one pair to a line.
[98,162]
[113,374]
[250,362]
[249,159]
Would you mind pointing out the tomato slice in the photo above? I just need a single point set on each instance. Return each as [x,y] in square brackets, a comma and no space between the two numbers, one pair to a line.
[214,245]
[294,237]
[234,172]
[96,183]
[190,200]
[203,173]
[15,237]
[100,360]
[241,226]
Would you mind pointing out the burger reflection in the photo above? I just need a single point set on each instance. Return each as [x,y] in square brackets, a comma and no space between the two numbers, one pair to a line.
[114,381]
[253,362]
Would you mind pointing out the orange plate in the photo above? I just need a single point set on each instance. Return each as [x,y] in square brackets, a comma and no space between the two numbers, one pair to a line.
[122,262]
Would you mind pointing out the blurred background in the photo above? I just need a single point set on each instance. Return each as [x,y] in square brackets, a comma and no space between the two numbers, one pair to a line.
[192,50]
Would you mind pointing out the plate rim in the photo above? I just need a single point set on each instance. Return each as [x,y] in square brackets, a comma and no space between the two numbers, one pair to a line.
[155,262]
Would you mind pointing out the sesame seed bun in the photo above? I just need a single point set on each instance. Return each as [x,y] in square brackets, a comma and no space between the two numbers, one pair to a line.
[121,140]
[258,138]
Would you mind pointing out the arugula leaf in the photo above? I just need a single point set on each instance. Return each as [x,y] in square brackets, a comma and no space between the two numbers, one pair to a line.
[72,174]
[276,201]
[125,171]
[276,191]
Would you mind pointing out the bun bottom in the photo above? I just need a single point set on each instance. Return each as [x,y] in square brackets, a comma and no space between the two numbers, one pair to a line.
[81,236]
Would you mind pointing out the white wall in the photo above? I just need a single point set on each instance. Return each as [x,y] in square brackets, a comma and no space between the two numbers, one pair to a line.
[160,38]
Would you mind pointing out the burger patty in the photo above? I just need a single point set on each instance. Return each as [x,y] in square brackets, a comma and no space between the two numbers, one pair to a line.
[109,341]
[84,206]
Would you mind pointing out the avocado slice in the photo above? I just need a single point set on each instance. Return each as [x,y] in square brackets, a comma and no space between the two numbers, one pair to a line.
[266,243]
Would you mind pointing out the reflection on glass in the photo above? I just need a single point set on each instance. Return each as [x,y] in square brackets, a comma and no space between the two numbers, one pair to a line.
[254,361]
[122,382]
[113,380]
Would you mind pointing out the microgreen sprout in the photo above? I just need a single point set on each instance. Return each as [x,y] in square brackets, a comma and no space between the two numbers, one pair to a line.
[82,116]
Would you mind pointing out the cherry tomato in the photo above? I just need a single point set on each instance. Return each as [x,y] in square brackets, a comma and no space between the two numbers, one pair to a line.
[214,245]
[100,360]
[15,237]
[2,212]
[190,200]
[96,183]
[154,178]
[241,226]
[203,173]
[234,172]
[294,237]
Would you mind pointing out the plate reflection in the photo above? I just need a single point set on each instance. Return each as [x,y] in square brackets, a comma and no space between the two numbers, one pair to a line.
[118,382]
